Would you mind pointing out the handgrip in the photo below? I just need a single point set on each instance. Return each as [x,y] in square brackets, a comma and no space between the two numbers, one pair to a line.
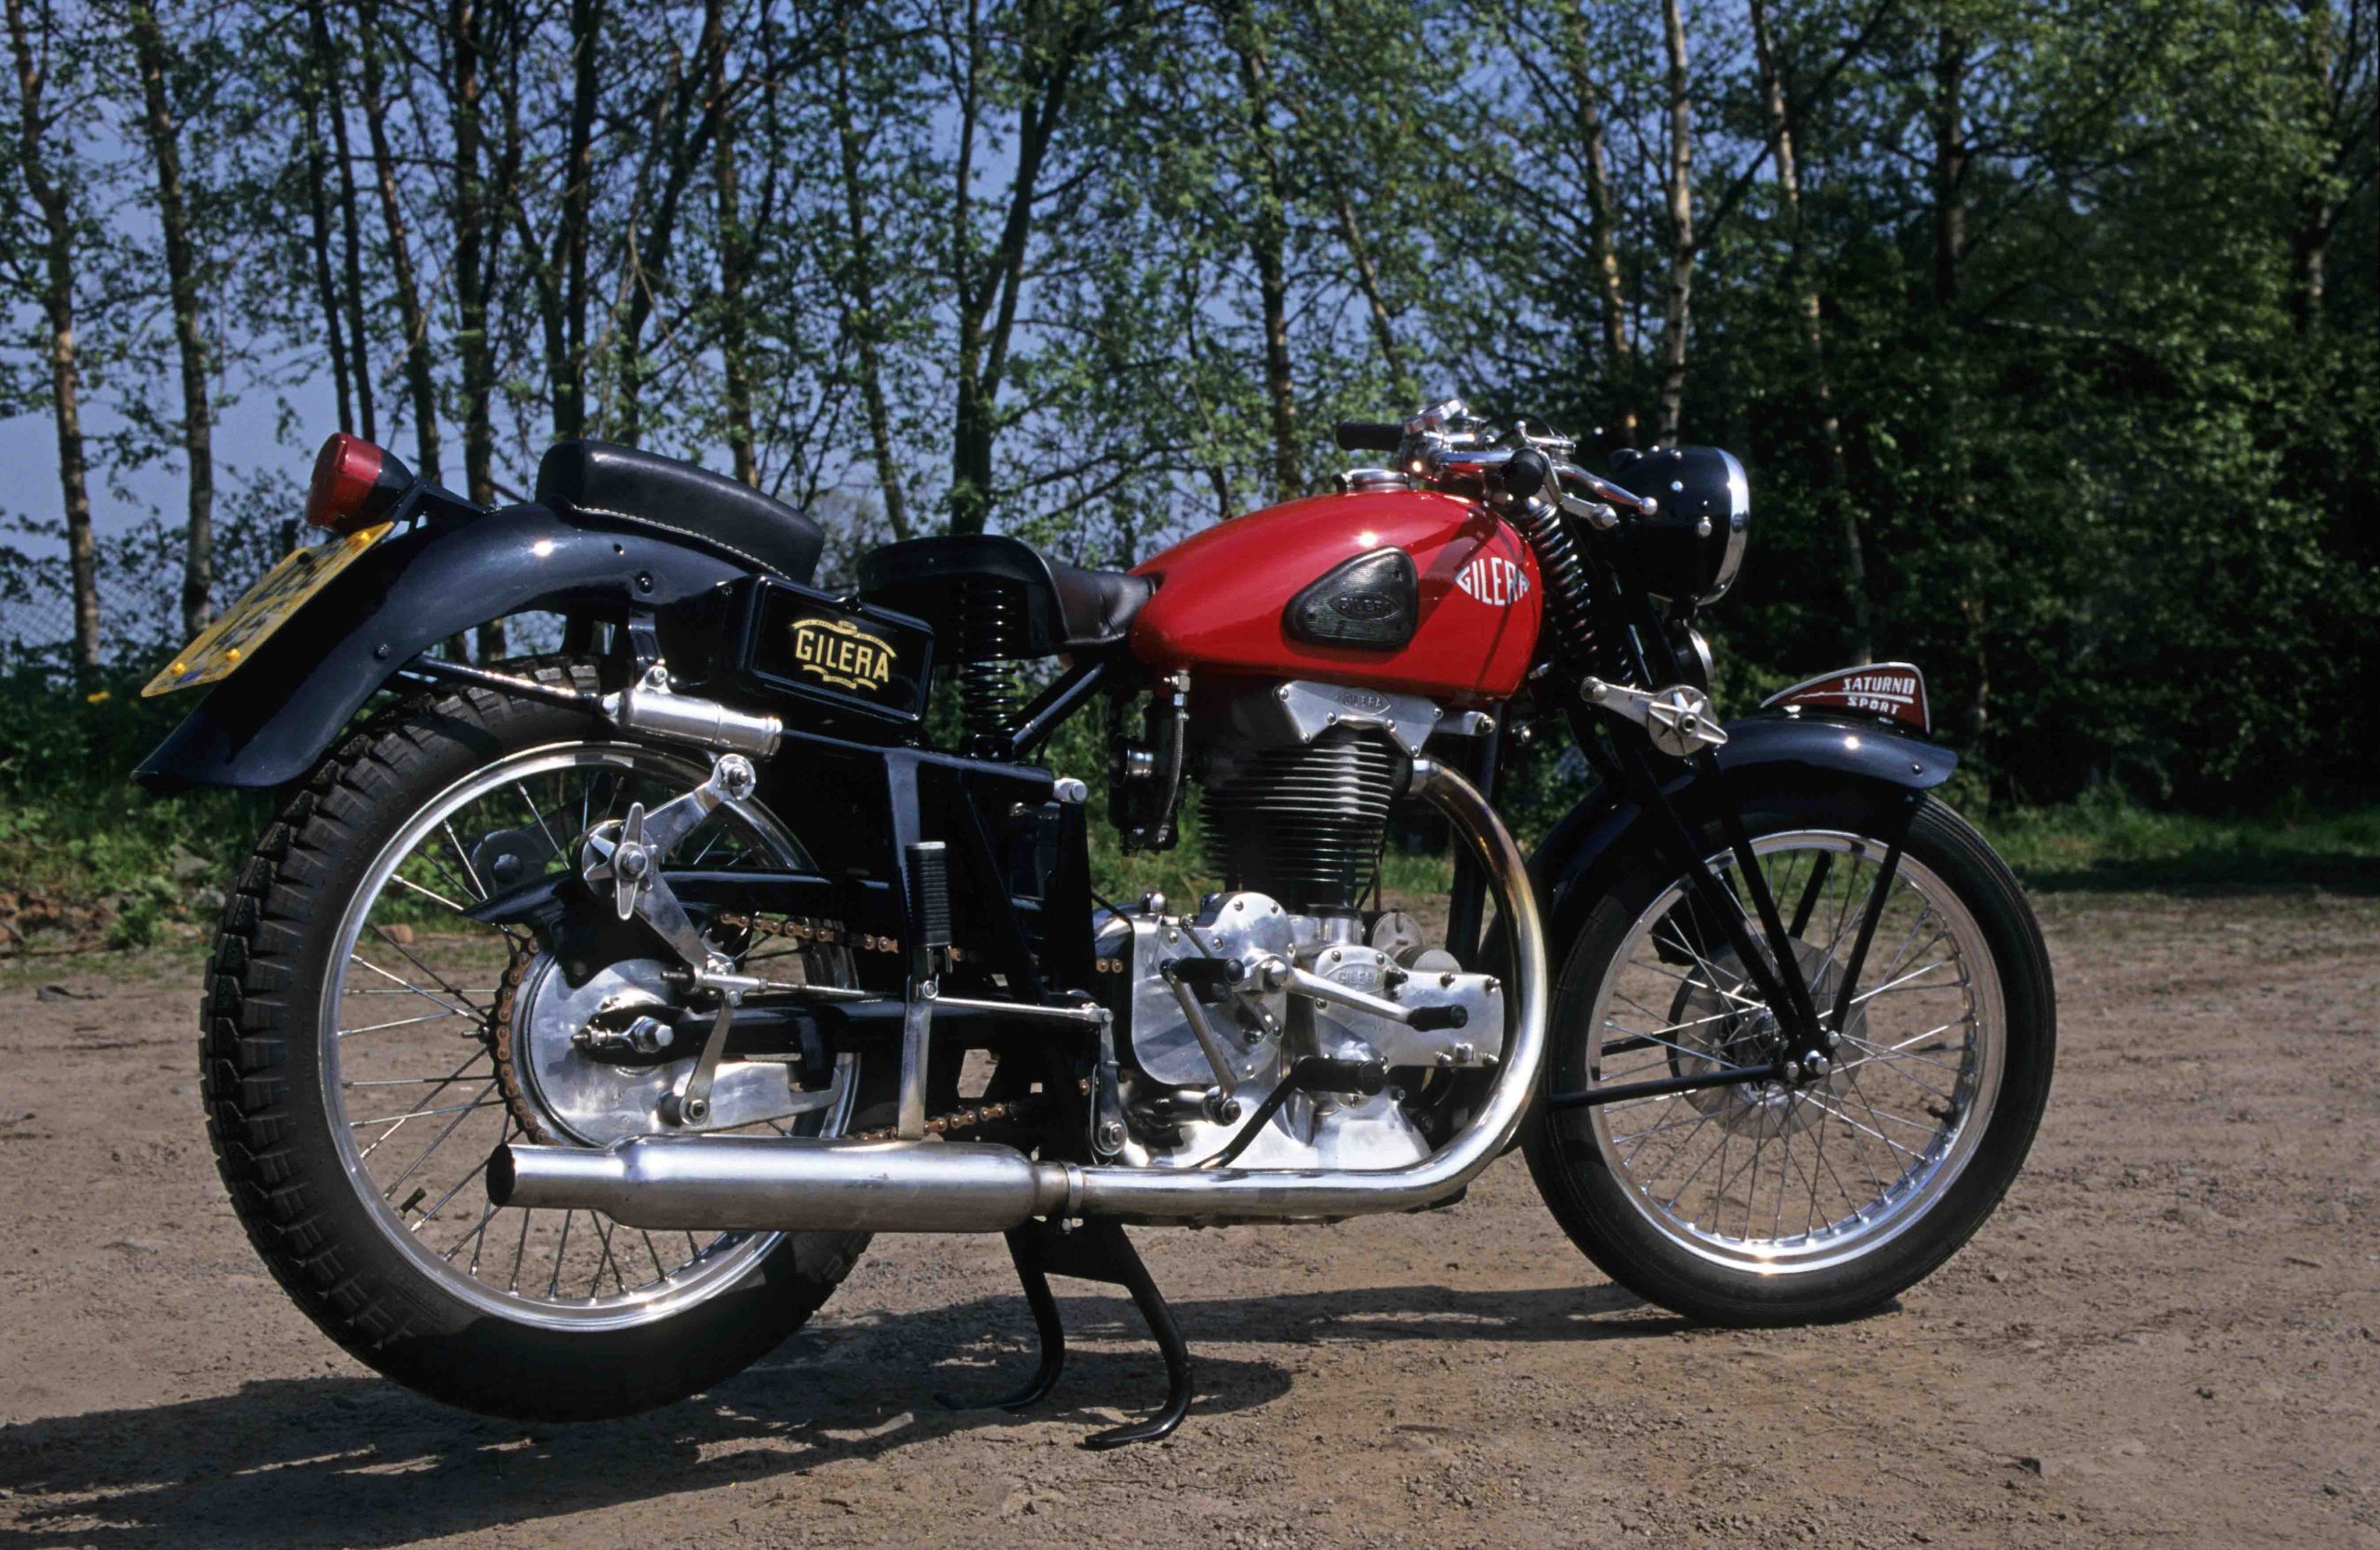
[1525,474]
[1367,435]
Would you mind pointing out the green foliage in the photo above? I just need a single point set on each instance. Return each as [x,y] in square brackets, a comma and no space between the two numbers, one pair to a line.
[85,852]
[2066,330]
[2109,841]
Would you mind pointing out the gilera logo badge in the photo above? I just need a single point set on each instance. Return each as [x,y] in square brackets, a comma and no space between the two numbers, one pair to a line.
[1494,581]
[840,652]
[1364,702]
[1362,605]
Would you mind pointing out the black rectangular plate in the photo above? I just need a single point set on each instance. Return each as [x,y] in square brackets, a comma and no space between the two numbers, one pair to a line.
[839,652]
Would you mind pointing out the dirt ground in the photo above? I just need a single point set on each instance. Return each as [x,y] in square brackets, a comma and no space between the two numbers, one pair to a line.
[2170,1335]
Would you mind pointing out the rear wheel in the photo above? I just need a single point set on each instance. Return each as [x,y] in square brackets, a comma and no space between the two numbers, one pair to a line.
[1778,1202]
[367,1047]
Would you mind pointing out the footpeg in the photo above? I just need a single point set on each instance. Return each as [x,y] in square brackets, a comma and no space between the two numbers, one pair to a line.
[1094,1250]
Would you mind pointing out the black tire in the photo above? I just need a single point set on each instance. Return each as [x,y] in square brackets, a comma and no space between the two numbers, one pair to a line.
[260,1062]
[1595,1204]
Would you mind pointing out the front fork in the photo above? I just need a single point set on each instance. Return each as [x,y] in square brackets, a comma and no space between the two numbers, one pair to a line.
[1806,1051]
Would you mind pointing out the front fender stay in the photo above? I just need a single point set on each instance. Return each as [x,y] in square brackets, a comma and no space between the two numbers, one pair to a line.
[1760,750]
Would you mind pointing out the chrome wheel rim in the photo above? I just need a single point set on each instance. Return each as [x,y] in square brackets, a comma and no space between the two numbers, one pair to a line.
[1786,1180]
[411,1082]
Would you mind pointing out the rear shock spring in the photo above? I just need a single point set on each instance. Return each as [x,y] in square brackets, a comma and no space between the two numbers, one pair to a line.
[991,635]
[1563,571]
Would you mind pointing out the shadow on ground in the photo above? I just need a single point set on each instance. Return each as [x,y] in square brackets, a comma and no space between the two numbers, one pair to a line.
[362,1462]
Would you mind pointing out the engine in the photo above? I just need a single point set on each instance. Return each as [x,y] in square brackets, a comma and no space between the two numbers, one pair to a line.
[1282,1026]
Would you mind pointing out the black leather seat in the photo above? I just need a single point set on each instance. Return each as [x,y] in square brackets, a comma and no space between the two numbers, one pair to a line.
[598,484]
[1063,607]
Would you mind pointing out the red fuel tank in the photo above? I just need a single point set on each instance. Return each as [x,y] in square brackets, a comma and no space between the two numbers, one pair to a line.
[1223,596]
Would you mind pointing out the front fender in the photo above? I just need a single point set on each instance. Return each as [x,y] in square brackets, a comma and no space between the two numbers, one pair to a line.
[1759,750]
[268,723]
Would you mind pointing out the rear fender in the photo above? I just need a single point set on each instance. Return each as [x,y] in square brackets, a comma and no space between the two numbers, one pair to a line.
[269,722]
[1761,753]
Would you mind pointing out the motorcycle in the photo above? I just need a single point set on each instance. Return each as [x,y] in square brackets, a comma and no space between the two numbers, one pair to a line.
[701,951]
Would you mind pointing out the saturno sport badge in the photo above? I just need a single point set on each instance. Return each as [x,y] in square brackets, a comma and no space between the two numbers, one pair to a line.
[839,652]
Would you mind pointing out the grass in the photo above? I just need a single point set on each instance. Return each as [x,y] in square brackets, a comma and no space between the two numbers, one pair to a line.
[2106,841]
[104,865]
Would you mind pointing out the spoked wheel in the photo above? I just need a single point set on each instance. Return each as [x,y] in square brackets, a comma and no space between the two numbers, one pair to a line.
[1824,1195]
[370,1045]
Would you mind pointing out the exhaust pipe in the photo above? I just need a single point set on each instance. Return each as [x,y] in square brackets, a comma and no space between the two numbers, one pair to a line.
[723,1183]
[719,1183]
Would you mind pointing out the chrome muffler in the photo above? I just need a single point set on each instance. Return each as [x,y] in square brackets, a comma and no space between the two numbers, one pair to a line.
[723,1183]
[789,1184]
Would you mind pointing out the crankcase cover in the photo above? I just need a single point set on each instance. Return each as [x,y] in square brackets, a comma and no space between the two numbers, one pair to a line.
[1163,1044]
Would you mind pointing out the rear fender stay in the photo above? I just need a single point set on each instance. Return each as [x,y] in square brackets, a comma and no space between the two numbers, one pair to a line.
[268,723]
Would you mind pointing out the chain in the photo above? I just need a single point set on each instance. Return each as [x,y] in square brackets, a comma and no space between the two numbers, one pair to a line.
[1031,1107]
[826,934]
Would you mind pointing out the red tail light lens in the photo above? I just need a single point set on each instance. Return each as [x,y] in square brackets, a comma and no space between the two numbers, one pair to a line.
[355,485]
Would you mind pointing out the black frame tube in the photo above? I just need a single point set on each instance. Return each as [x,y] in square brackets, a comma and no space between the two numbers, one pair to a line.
[1726,1075]
[1053,706]
[427,666]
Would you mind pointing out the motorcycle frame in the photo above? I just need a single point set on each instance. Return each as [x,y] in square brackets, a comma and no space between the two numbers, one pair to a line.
[460,566]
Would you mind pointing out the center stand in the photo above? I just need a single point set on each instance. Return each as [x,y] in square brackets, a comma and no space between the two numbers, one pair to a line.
[1094,1250]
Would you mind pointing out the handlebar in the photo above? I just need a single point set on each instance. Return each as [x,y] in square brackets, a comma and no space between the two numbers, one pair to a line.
[1515,475]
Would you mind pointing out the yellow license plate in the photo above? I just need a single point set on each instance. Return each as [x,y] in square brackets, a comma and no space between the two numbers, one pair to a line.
[239,629]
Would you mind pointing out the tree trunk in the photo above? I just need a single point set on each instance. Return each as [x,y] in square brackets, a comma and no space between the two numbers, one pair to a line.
[1950,165]
[1789,188]
[342,298]
[471,240]
[987,302]
[350,225]
[1677,302]
[65,370]
[1367,281]
[735,275]
[691,118]
[860,319]
[181,276]
[1268,246]
[420,383]
[577,198]
[474,251]
[2318,210]
[1619,353]
[318,211]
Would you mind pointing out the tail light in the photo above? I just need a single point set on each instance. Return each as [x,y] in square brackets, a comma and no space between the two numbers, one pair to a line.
[355,485]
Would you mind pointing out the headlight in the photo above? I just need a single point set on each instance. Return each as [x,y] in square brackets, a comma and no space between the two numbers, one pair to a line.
[1690,549]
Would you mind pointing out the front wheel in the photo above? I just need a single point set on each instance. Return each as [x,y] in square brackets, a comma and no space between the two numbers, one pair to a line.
[1773,1202]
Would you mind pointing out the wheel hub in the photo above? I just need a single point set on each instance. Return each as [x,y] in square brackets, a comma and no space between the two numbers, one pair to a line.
[1719,1027]
[570,1064]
